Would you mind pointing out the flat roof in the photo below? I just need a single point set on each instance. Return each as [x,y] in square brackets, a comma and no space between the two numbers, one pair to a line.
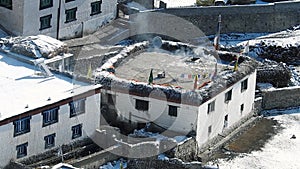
[23,89]
[180,71]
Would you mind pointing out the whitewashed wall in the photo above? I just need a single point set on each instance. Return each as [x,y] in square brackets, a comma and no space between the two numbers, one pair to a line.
[158,112]
[24,19]
[12,20]
[232,109]
[90,121]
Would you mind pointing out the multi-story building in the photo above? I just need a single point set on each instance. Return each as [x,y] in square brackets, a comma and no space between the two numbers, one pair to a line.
[172,97]
[39,113]
[60,19]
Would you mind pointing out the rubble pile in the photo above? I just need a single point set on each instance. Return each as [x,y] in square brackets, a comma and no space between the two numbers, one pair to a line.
[277,74]
[33,46]
[288,54]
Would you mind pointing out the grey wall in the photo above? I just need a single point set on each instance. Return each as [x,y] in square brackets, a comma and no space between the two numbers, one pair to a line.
[245,18]
[281,98]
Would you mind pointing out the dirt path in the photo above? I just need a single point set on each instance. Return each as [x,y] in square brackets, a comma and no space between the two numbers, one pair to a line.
[249,140]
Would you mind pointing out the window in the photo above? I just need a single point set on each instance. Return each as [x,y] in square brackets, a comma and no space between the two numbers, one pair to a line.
[141,105]
[50,116]
[6,4]
[49,141]
[45,22]
[77,131]
[22,126]
[228,96]
[22,150]
[96,7]
[71,15]
[209,130]
[225,121]
[77,107]
[173,111]
[244,85]
[211,107]
[69,0]
[46,4]
[242,108]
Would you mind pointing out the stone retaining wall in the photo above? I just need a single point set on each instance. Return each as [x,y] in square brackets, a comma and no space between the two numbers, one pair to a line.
[281,98]
[271,17]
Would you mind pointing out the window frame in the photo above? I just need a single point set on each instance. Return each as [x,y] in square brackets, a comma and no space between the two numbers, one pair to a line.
[173,111]
[42,6]
[96,5]
[21,128]
[228,96]
[76,131]
[211,106]
[52,118]
[244,85]
[45,17]
[22,150]
[50,141]
[141,105]
[71,11]
[79,109]
[7,5]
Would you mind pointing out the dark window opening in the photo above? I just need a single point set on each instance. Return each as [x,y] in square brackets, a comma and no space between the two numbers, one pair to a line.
[141,105]
[173,111]
[209,129]
[71,15]
[22,126]
[6,4]
[96,7]
[77,131]
[225,121]
[244,85]
[77,107]
[45,22]
[69,0]
[49,141]
[242,108]
[50,116]
[22,150]
[211,107]
[46,4]
[228,96]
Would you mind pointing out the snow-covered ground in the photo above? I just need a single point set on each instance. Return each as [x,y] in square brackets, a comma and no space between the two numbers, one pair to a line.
[281,151]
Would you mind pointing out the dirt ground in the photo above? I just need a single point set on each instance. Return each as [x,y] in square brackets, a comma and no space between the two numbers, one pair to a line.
[252,139]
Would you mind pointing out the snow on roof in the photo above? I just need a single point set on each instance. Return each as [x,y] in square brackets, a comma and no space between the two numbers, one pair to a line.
[22,89]
[175,3]
[33,46]
[136,5]
[215,84]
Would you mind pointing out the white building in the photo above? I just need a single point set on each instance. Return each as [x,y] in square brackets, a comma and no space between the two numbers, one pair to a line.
[171,102]
[56,18]
[39,113]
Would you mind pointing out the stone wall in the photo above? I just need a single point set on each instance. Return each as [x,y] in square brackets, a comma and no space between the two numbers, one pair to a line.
[281,98]
[165,164]
[271,17]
